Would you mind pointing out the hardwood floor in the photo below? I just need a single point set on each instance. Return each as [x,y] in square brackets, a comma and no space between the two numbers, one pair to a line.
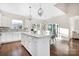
[60,48]
[13,49]
[65,48]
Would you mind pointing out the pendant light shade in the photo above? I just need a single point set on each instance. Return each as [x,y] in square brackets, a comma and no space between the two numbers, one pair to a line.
[40,11]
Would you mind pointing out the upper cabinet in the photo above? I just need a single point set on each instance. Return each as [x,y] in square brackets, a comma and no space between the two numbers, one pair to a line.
[5,21]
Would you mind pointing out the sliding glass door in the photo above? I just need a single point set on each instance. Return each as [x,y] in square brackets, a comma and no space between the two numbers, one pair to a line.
[53,28]
[59,32]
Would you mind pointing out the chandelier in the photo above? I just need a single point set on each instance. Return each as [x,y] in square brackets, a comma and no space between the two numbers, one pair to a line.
[40,11]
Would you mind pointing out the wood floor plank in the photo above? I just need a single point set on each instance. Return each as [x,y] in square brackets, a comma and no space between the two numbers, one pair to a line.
[60,48]
[13,49]
[64,48]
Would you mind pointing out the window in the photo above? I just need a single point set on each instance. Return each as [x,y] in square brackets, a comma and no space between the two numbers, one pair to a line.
[64,32]
[50,27]
[53,28]
[17,24]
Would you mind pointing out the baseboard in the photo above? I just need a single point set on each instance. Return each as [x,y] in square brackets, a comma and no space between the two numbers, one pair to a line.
[10,42]
[75,38]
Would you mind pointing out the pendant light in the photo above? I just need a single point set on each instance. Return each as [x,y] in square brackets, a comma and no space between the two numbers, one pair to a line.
[40,11]
[30,18]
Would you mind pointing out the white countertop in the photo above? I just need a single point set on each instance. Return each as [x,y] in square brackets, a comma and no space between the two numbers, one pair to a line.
[36,35]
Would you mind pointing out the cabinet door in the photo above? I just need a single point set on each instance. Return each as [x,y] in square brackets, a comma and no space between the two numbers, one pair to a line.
[23,40]
[33,46]
[6,37]
[10,37]
[29,43]
[6,21]
[16,36]
[0,18]
[3,37]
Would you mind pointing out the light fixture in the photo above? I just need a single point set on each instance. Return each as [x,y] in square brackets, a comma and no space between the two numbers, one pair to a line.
[30,18]
[40,11]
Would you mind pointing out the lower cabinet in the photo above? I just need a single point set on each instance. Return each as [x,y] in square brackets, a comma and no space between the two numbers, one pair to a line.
[10,37]
[29,43]
[36,46]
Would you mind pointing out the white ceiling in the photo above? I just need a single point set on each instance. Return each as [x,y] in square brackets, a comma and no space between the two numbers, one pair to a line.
[23,9]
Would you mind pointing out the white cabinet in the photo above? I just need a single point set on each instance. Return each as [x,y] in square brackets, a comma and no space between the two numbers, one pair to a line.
[0,18]
[3,37]
[37,46]
[29,43]
[10,37]
[5,21]
[16,36]
[6,37]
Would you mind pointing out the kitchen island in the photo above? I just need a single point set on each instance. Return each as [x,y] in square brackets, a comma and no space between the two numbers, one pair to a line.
[36,44]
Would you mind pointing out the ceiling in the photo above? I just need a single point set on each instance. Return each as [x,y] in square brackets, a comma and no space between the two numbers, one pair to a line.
[71,9]
[23,9]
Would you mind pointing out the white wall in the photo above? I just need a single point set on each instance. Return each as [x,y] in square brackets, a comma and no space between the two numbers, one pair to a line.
[74,27]
[63,21]
[75,23]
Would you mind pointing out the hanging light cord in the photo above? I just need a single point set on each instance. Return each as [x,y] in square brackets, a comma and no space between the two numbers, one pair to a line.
[40,5]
